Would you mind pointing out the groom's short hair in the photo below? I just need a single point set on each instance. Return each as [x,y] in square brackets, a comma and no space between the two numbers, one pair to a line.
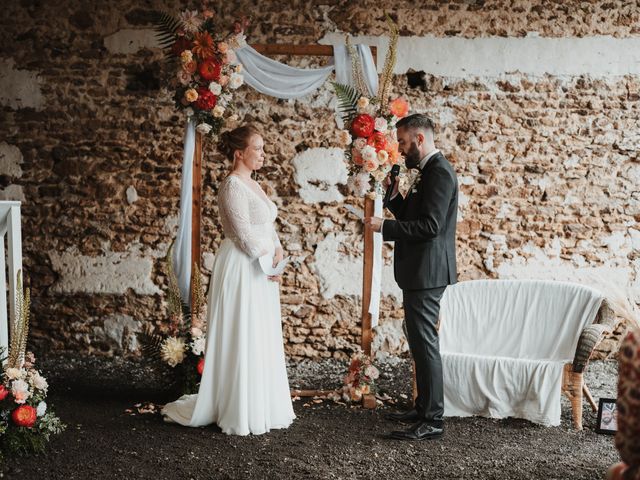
[417,121]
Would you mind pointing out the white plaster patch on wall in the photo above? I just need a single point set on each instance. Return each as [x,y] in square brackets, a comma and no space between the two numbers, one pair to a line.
[506,209]
[635,239]
[456,57]
[171,224]
[12,192]
[112,273]
[19,88]
[390,339]
[572,161]
[131,40]
[132,195]
[542,182]
[119,331]
[463,201]
[318,172]
[342,275]
[615,276]
[208,260]
[617,242]
[10,160]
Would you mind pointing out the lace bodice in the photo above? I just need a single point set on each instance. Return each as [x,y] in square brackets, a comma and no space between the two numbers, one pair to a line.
[247,217]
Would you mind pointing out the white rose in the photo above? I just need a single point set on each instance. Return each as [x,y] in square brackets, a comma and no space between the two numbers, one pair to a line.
[196,332]
[379,175]
[230,57]
[344,137]
[218,111]
[363,103]
[215,88]
[13,373]
[41,409]
[369,153]
[381,124]
[360,143]
[383,156]
[38,381]
[235,81]
[186,56]
[20,391]
[203,128]
[184,77]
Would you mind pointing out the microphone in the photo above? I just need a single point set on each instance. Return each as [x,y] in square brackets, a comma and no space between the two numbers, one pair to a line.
[395,170]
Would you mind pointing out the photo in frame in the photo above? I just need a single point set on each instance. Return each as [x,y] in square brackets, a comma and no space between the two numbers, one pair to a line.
[607,421]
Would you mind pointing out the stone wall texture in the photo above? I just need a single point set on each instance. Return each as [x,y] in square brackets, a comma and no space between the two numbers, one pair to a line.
[547,156]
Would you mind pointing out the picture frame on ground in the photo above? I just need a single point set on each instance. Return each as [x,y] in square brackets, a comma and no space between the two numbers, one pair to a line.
[607,421]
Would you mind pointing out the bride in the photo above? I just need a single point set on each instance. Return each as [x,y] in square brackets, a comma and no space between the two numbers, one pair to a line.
[244,387]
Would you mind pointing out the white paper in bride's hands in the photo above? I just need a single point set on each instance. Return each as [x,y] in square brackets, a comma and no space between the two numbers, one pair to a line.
[266,263]
[355,211]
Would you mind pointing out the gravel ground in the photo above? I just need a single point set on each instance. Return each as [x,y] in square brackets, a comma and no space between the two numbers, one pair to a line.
[327,441]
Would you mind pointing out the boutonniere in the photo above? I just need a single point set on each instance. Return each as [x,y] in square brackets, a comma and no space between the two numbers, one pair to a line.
[416,180]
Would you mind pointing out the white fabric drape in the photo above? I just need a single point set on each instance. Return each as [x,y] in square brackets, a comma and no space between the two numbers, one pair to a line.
[277,80]
[376,277]
[282,81]
[182,245]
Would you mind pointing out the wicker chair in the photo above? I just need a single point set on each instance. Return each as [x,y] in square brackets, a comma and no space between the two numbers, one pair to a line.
[573,385]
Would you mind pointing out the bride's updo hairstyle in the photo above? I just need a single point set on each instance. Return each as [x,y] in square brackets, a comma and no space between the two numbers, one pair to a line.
[236,139]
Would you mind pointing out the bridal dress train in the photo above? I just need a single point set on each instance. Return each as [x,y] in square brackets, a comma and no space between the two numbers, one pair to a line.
[244,387]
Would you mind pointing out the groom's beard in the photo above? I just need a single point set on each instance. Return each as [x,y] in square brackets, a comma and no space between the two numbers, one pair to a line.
[412,157]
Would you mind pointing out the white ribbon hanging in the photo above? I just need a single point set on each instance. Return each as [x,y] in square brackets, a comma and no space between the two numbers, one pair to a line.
[376,277]
[182,245]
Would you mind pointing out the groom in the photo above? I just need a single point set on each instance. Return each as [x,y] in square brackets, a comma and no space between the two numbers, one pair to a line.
[424,264]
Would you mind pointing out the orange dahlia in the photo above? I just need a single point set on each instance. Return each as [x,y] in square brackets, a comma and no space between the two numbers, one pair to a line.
[399,107]
[203,45]
[24,416]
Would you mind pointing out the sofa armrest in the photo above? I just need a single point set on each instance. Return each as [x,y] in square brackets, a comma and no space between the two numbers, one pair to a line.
[604,323]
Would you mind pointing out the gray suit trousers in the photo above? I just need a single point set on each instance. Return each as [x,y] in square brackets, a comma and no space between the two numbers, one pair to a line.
[421,310]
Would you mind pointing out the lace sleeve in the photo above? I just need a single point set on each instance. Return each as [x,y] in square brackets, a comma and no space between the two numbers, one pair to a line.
[234,206]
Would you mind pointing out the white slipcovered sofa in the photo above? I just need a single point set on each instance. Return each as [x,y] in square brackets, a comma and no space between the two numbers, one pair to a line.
[509,347]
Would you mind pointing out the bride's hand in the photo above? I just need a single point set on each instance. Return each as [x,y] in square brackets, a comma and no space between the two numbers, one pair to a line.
[275,278]
[278,256]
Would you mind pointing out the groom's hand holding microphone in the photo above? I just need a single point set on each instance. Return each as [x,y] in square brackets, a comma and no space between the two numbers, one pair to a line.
[391,182]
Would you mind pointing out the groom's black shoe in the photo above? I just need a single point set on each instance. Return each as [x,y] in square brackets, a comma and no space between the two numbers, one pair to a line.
[420,431]
[410,416]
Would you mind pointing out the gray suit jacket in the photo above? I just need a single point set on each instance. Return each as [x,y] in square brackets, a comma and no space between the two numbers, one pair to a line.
[424,230]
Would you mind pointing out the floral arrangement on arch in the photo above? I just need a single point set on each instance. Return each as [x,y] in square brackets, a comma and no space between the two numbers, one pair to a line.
[183,342]
[26,422]
[360,379]
[369,137]
[206,71]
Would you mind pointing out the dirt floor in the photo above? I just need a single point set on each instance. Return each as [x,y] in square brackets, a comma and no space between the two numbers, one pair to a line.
[327,441]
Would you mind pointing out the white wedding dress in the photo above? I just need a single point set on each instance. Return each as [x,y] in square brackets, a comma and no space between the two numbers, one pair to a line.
[244,387]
